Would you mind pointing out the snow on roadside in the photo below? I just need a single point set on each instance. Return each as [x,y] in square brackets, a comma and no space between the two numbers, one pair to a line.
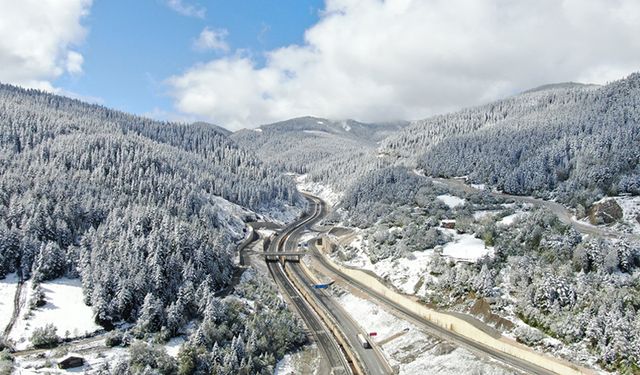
[64,308]
[266,232]
[409,273]
[404,273]
[304,361]
[324,192]
[451,200]
[8,287]
[413,351]
[285,366]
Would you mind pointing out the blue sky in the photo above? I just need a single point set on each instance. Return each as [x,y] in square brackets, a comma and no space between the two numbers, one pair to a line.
[133,46]
[250,62]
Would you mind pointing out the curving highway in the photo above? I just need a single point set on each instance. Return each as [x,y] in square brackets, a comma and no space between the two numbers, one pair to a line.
[372,360]
[335,361]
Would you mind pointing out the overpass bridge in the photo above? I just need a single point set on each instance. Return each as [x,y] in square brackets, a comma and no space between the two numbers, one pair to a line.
[275,256]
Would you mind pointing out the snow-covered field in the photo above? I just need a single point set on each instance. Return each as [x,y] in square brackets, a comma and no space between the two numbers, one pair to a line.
[7,291]
[451,200]
[64,308]
[410,350]
[465,247]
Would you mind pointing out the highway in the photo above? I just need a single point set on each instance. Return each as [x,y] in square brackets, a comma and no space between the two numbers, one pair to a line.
[371,359]
[332,354]
[429,326]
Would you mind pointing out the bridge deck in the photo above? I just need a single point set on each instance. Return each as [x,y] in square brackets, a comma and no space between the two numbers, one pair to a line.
[279,253]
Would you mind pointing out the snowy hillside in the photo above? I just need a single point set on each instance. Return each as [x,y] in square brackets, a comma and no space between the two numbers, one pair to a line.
[118,220]
[333,153]
[571,140]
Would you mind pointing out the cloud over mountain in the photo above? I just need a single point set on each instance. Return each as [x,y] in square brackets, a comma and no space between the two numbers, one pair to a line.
[382,60]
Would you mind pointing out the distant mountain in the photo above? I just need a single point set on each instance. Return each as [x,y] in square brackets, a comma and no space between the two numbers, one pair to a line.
[332,152]
[562,86]
[345,128]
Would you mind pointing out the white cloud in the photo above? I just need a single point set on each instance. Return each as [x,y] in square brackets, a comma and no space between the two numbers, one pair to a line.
[37,40]
[381,60]
[74,62]
[187,9]
[212,40]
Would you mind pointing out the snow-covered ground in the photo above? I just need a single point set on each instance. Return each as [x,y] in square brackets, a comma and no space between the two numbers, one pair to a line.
[96,355]
[404,273]
[230,214]
[316,132]
[173,346]
[509,220]
[465,247]
[285,366]
[64,308]
[479,215]
[8,287]
[451,200]
[326,193]
[631,212]
[266,232]
[409,349]
[303,362]
[409,273]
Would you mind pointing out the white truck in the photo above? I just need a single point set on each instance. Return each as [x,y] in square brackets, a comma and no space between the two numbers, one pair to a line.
[363,341]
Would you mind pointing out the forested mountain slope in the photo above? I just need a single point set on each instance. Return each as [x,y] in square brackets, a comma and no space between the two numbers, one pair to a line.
[576,141]
[331,152]
[134,207]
